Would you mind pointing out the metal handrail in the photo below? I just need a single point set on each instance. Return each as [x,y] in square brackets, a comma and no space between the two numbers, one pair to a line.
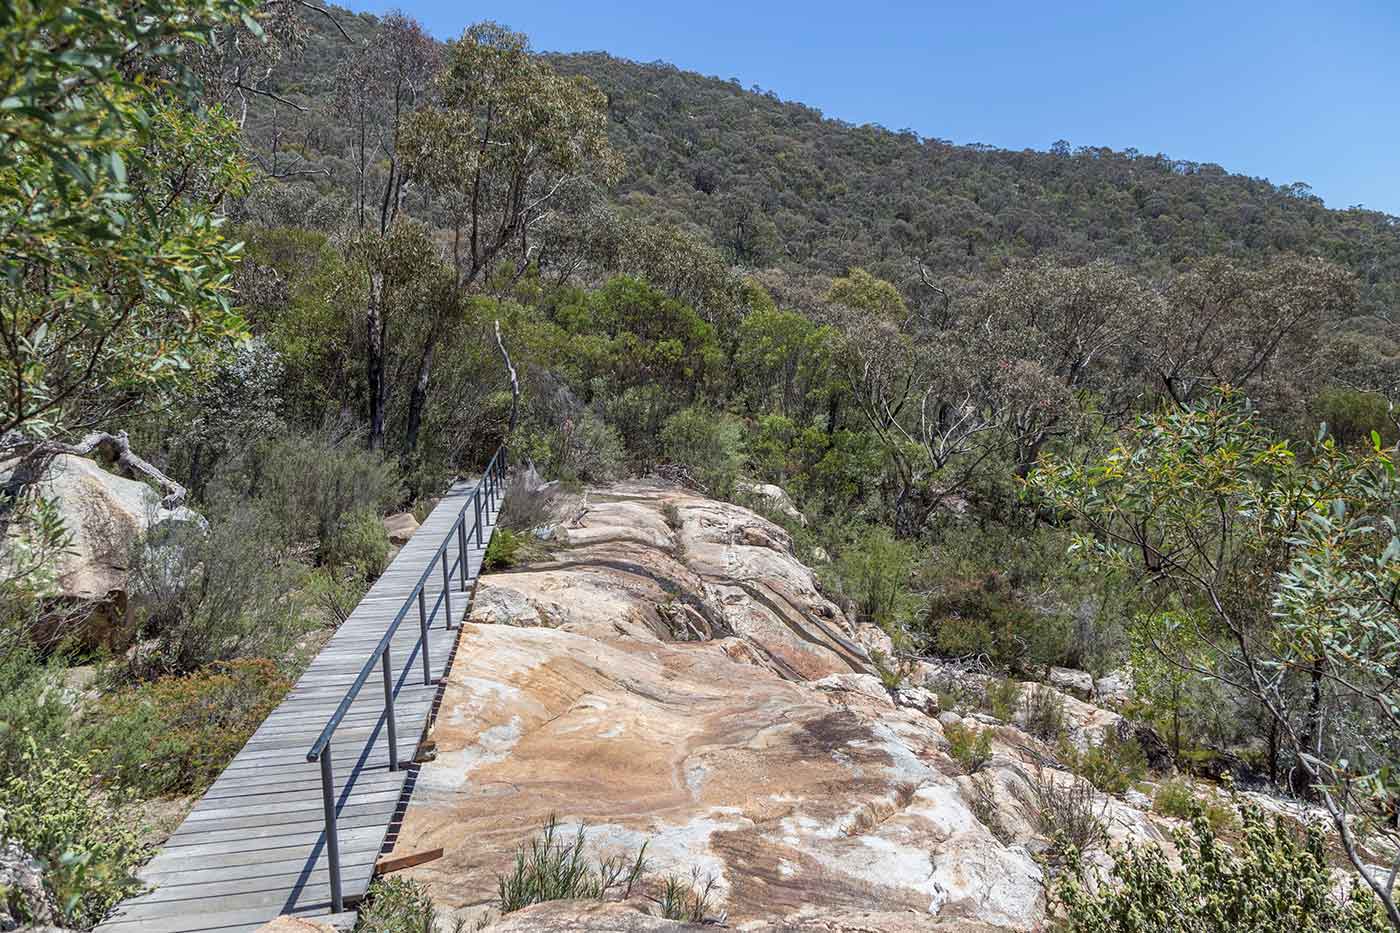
[491,482]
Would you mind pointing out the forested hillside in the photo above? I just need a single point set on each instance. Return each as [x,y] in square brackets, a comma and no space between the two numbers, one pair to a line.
[272,274]
[774,183]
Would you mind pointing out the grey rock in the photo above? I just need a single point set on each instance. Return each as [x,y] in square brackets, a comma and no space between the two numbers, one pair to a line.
[24,901]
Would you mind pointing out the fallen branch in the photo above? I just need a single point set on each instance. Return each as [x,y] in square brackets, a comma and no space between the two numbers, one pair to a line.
[115,449]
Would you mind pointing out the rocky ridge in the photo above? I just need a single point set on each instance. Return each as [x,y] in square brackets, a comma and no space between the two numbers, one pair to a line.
[672,675]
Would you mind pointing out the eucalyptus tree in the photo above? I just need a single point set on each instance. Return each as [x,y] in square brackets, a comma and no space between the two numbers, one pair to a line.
[1274,575]
[115,275]
[504,142]
[379,86]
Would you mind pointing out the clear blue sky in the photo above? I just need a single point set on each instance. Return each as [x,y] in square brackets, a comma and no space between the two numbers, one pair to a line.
[1286,90]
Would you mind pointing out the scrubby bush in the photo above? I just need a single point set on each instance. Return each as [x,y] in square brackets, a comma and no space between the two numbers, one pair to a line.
[504,550]
[88,849]
[552,868]
[585,449]
[33,708]
[709,444]
[175,734]
[1351,415]
[1178,799]
[983,619]
[970,748]
[396,905]
[201,596]
[1012,597]
[310,484]
[1272,878]
[524,508]
[1043,713]
[893,672]
[1066,810]
[359,545]
[686,900]
[875,573]
[1112,764]
[333,593]
[1000,697]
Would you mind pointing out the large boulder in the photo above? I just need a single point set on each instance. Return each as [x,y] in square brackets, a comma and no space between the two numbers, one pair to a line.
[400,528]
[105,515]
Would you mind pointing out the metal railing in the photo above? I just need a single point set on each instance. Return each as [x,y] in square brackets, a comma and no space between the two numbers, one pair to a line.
[483,499]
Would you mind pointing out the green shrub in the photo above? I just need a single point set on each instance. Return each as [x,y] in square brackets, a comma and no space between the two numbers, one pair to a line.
[583,449]
[175,734]
[970,748]
[33,709]
[360,544]
[686,900]
[396,905]
[1178,799]
[1001,698]
[875,573]
[1066,811]
[1044,713]
[710,444]
[1272,878]
[333,593]
[311,484]
[504,549]
[550,868]
[1112,765]
[203,596]
[1351,415]
[984,620]
[985,807]
[89,851]
[893,672]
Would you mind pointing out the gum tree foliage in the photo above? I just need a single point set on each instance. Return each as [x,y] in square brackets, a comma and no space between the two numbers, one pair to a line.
[1287,563]
[1232,324]
[377,87]
[114,272]
[504,141]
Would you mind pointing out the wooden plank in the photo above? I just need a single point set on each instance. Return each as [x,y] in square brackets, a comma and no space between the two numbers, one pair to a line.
[253,846]
[386,865]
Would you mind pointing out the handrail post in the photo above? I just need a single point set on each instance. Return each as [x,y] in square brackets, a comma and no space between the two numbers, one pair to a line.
[462,549]
[332,841]
[446,588]
[423,631]
[389,712]
[476,501]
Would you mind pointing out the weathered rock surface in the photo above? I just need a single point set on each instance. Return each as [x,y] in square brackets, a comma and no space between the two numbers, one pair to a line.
[24,901]
[105,514]
[722,573]
[285,924]
[598,917]
[674,677]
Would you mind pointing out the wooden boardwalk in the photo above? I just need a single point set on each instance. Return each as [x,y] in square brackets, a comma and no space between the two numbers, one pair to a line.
[253,847]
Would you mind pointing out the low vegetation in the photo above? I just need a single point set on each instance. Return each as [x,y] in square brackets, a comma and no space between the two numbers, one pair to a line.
[970,748]
[551,867]
[173,735]
[397,905]
[1272,876]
